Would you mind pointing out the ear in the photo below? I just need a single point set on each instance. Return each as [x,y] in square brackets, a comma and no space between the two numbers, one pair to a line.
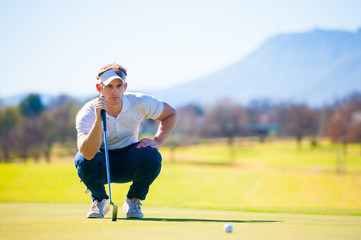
[125,86]
[99,88]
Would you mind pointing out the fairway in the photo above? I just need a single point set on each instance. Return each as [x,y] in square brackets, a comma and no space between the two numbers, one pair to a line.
[67,221]
[271,191]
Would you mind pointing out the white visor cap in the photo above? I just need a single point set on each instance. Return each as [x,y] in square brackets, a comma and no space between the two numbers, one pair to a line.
[108,76]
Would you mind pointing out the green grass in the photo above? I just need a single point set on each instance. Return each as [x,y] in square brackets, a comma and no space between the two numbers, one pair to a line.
[67,221]
[197,186]
[274,154]
[269,191]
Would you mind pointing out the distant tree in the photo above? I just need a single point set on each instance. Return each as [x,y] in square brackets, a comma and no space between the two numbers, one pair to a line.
[345,124]
[25,134]
[60,101]
[31,106]
[263,113]
[28,138]
[148,127]
[300,121]
[188,128]
[50,131]
[10,119]
[58,125]
[257,111]
[325,116]
[225,119]
[65,117]
[337,126]
[354,132]
[189,124]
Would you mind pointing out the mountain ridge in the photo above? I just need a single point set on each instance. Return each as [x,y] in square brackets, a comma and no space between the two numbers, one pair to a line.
[314,67]
[311,67]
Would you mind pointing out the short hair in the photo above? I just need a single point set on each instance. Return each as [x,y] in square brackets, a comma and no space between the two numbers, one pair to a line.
[120,70]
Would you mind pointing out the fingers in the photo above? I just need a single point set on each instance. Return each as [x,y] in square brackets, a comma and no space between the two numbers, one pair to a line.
[147,142]
[100,104]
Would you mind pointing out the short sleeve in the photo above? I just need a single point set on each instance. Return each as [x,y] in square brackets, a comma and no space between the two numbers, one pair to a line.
[153,107]
[85,118]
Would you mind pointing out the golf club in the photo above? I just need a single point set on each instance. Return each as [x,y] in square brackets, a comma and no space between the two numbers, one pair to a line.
[104,120]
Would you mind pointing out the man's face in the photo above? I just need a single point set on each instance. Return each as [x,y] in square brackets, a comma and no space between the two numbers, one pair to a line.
[114,91]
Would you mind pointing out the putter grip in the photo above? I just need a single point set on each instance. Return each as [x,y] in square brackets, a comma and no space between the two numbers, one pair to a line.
[104,119]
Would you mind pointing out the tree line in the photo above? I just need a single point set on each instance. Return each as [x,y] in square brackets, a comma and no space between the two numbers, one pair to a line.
[31,129]
[340,121]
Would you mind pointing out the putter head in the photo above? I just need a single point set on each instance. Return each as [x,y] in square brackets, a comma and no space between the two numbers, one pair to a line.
[115,213]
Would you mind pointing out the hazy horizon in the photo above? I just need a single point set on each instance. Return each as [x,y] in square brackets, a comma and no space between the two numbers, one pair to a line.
[58,47]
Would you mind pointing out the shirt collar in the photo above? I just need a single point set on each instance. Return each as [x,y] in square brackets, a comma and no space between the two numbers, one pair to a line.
[126,104]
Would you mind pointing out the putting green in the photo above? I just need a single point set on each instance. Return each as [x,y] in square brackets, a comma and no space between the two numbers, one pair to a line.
[67,221]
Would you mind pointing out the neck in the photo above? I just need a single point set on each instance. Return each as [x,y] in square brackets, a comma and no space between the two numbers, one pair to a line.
[114,110]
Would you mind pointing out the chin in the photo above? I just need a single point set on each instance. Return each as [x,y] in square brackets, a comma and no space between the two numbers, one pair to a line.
[114,101]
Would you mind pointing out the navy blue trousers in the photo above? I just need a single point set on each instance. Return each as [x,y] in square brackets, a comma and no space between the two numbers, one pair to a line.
[129,164]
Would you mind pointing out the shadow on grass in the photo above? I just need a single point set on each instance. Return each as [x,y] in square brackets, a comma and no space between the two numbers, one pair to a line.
[195,220]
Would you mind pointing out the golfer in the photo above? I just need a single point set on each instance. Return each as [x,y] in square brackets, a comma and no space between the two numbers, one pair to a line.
[130,160]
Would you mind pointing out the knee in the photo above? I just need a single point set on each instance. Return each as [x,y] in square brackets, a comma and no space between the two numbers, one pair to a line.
[152,158]
[88,167]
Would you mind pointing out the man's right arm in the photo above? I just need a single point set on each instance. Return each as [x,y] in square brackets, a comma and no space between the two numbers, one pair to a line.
[89,143]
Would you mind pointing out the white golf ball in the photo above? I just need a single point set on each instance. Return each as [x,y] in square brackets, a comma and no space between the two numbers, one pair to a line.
[228,227]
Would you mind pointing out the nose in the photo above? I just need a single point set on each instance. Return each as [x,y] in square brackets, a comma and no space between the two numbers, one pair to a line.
[116,90]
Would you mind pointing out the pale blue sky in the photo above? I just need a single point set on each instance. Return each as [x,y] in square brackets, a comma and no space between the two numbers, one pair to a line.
[58,46]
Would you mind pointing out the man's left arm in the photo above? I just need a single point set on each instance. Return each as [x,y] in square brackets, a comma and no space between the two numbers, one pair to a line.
[168,119]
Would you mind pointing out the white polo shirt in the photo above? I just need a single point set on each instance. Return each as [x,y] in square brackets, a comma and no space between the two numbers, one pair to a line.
[122,130]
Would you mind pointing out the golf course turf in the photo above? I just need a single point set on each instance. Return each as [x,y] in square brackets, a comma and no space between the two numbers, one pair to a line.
[67,221]
[270,191]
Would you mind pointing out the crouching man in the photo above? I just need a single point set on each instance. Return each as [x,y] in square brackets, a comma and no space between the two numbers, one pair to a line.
[130,160]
